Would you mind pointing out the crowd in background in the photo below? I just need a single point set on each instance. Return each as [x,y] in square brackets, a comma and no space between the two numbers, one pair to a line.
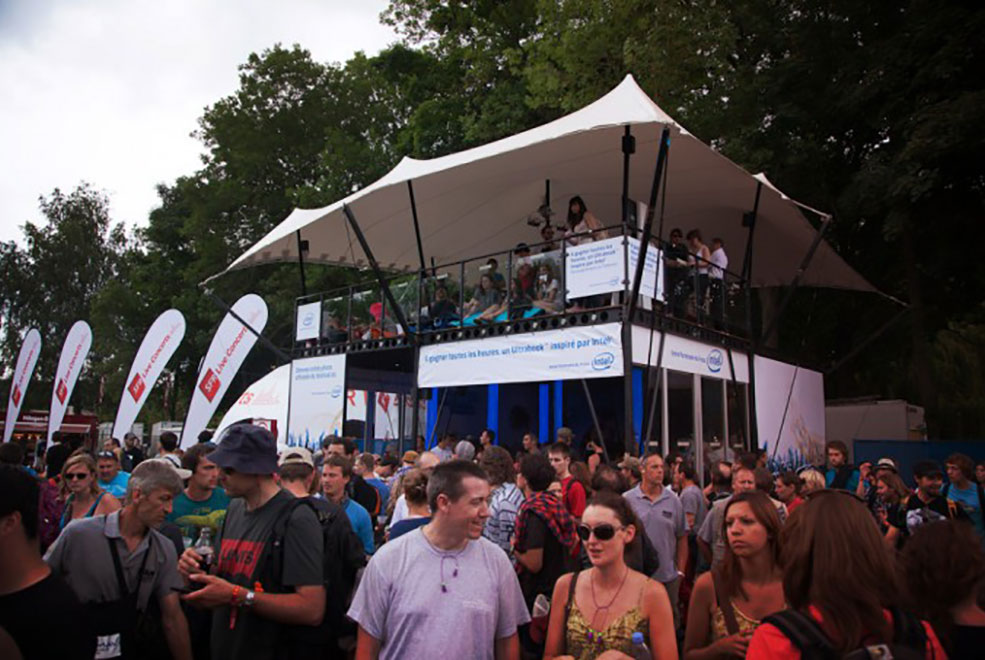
[236,550]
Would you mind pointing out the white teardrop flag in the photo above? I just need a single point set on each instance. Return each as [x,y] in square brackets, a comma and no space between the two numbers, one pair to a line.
[26,359]
[74,352]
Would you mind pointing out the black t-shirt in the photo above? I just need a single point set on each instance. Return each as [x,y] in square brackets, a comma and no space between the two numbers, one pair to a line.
[46,620]
[135,455]
[918,512]
[56,457]
[967,641]
[556,561]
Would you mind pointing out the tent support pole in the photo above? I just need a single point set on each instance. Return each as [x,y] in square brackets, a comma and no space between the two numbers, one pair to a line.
[301,248]
[221,304]
[804,265]
[628,149]
[749,220]
[417,226]
[652,413]
[868,340]
[595,419]
[397,310]
[648,224]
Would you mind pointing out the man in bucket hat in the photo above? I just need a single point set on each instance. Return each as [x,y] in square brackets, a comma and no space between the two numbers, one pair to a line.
[260,587]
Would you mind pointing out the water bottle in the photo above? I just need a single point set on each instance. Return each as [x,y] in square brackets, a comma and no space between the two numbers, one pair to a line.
[203,546]
[640,650]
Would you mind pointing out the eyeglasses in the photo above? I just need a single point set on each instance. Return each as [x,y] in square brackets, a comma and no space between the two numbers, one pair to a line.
[106,454]
[602,532]
[71,476]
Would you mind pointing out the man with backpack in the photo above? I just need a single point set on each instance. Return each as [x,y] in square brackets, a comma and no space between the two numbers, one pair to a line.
[840,475]
[928,505]
[343,556]
[266,586]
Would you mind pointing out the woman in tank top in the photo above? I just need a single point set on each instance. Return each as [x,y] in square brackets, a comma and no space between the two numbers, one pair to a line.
[599,610]
[728,603]
[84,497]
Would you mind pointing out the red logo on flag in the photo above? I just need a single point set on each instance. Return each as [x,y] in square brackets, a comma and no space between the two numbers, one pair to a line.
[209,385]
[16,396]
[61,391]
[137,387]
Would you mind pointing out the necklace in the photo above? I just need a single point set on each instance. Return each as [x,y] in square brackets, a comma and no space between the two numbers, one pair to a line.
[445,555]
[595,636]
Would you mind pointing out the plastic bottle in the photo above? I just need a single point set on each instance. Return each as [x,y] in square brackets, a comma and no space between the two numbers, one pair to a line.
[640,650]
[203,546]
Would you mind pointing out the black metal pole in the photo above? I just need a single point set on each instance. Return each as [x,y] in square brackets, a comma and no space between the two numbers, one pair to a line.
[871,338]
[417,226]
[263,340]
[749,219]
[648,224]
[397,311]
[304,287]
[628,149]
[804,265]
[595,420]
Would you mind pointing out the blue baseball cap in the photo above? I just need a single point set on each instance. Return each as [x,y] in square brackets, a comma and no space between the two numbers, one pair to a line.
[246,448]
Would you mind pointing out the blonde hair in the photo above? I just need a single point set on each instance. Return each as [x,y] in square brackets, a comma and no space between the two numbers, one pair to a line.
[813,481]
[86,460]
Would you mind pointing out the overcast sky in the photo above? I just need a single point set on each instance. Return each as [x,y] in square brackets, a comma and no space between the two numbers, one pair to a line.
[108,91]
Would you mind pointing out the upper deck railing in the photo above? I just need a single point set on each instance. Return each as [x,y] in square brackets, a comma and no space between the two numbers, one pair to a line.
[532,283]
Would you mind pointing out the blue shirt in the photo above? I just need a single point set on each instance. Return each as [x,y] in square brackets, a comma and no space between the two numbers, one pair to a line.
[967,499]
[407,525]
[118,487]
[384,492]
[361,524]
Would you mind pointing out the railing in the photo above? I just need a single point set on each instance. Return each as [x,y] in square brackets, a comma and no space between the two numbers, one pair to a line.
[572,273]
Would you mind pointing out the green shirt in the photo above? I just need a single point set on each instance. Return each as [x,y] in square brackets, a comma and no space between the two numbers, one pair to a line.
[192,516]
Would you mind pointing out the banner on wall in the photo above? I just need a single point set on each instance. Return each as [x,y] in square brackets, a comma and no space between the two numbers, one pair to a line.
[21,378]
[689,356]
[600,267]
[159,344]
[593,351]
[789,413]
[230,346]
[74,352]
[317,400]
[263,403]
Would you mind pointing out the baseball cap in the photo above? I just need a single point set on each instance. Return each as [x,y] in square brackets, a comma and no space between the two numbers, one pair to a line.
[296,456]
[927,468]
[410,456]
[886,464]
[182,472]
[246,448]
[629,463]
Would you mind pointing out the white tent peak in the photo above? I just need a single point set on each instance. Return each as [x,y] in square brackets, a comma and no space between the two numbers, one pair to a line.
[477,201]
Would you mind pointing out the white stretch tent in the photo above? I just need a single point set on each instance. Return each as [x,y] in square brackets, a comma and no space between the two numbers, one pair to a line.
[477,201]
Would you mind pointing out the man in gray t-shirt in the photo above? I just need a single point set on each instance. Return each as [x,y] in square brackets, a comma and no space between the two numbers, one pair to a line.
[692,499]
[442,591]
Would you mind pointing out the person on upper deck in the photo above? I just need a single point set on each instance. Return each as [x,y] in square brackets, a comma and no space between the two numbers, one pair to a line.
[583,227]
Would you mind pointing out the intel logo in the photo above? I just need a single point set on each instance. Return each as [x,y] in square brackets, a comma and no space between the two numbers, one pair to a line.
[336,391]
[308,319]
[714,361]
[603,361]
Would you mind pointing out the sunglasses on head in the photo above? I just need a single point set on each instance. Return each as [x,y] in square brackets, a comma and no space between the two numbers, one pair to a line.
[71,476]
[602,532]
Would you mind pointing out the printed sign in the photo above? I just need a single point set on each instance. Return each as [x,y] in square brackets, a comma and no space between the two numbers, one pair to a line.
[580,352]
[21,378]
[308,321]
[689,356]
[317,400]
[78,341]
[230,345]
[159,344]
[600,267]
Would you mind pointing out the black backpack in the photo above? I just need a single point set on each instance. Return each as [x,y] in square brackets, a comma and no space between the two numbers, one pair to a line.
[842,475]
[342,558]
[909,639]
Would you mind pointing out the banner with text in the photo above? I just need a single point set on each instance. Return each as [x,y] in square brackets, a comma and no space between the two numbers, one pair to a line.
[230,346]
[159,344]
[263,403]
[21,378]
[74,352]
[592,351]
[317,400]
[308,322]
[600,267]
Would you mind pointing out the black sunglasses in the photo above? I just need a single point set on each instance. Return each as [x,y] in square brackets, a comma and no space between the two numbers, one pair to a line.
[602,532]
[71,476]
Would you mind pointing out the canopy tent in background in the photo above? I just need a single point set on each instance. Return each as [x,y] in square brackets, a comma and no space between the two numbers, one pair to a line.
[477,201]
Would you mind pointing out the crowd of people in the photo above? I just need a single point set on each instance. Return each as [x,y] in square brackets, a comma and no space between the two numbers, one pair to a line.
[235,550]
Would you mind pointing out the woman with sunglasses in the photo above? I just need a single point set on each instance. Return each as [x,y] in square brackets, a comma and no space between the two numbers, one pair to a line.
[840,582]
[729,602]
[594,613]
[83,496]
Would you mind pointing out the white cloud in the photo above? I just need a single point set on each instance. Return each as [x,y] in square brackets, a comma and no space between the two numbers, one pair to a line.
[108,91]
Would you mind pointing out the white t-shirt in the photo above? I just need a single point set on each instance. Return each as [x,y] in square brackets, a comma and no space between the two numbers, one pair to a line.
[719,262]
[400,600]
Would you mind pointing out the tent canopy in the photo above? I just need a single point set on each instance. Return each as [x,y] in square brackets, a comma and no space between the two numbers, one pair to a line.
[477,201]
